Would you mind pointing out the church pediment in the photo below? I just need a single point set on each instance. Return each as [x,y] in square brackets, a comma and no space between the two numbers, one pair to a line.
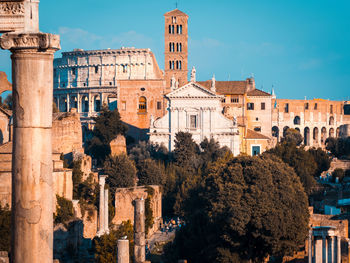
[192,90]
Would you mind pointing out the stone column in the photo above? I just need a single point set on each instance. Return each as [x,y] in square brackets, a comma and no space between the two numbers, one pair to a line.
[68,103]
[333,249]
[106,229]
[32,78]
[338,249]
[318,251]
[309,245]
[123,251]
[139,231]
[102,205]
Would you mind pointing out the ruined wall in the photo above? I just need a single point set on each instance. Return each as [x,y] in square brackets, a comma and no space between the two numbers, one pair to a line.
[124,209]
[66,133]
[4,83]
[118,145]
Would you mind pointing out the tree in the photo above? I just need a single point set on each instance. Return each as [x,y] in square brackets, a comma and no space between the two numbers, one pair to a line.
[186,151]
[8,102]
[302,161]
[322,160]
[149,172]
[5,228]
[292,136]
[211,151]
[121,172]
[247,208]
[106,245]
[107,126]
[339,147]
[64,210]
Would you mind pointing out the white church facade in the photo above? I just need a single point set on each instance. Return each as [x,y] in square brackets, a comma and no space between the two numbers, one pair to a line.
[195,109]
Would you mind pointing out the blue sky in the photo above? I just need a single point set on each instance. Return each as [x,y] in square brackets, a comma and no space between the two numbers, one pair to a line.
[300,47]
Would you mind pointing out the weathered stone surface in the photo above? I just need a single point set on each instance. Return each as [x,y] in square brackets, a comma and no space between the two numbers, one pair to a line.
[123,251]
[118,145]
[124,209]
[139,230]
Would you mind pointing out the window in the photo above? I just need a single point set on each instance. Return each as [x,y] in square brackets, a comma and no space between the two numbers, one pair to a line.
[234,100]
[286,108]
[250,106]
[255,150]
[180,47]
[315,106]
[124,105]
[172,29]
[306,106]
[180,29]
[263,105]
[257,129]
[159,105]
[74,71]
[169,47]
[96,69]
[180,64]
[142,104]
[177,29]
[177,64]
[177,46]
[331,109]
[110,83]
[193,121]
[125,68]
[256,118]
[169,29]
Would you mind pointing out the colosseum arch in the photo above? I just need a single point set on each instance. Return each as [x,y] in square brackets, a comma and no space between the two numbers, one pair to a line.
[97,103]
[331,132]
[284,130]
[84,104]
[315,135]
[307,136]
[323,135]
[73,101]
[337,132]
[275,132]
[62,104]
[331,120]
[297,129]
[296,120]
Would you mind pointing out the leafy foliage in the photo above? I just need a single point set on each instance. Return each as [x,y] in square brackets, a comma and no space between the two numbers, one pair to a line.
[64,210]
[302,161]
[77,176]
[107,126]
[292,136]
[121,172]
[5,229]
[150,172]
[339,147]
[338,173]
[322,160]
[246,209]
[106,245]
[149,219]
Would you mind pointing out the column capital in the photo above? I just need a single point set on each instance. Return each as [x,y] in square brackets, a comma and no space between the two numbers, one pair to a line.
[30,41]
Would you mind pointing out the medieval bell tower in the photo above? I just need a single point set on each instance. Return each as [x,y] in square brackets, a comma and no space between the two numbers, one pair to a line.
[176,47]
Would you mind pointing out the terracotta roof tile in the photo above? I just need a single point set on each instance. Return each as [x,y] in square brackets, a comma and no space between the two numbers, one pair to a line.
[226,87]
[175,12]
[257,92]
[255,135]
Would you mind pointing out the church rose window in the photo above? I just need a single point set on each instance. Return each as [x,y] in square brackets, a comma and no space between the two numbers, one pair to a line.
[142,104]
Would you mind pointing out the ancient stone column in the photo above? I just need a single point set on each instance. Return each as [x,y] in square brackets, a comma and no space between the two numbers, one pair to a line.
[309,244]
[32,78]
[102,181]
[106,229]
[318,250]
[338,249]
[139,231]
[123,251]
[324,248]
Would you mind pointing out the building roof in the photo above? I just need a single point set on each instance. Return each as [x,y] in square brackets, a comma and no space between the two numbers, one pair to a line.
[227,87]
[255,135]
[257,92]
[175,12]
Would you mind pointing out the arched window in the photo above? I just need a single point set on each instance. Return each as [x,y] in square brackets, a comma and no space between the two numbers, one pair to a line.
[177,64]
[172,65]
[169,64]
[331,120]
[180,29]
[180,64]
[177,29]
[297,120]
[170,47]
[172,29]
[142,104]
[180,47]
[177,46]
[169,29]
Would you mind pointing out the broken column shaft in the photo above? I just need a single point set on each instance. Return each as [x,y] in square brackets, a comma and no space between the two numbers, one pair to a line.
[102,181]
[32,213]
[123,251]
[106,229]
[139,231]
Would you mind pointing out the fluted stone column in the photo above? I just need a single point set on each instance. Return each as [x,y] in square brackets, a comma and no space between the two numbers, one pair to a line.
[338,249]
[123,251]
[106,229]
[102,181]
[32,78]
[139,231]
[309,244]
[318,255]
[324,248]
